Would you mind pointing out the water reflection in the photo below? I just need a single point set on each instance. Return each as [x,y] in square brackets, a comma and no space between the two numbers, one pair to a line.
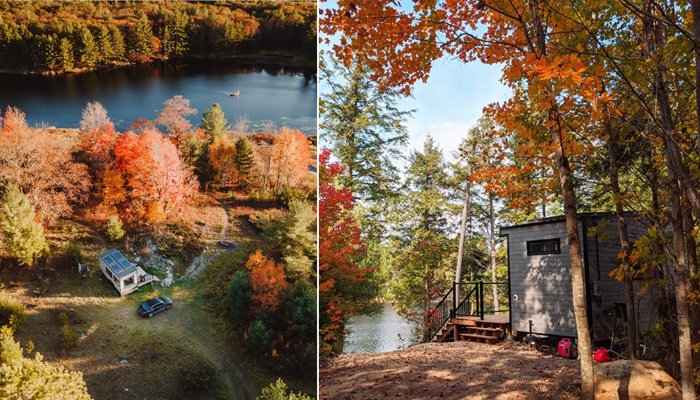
[283,95]
[378,333]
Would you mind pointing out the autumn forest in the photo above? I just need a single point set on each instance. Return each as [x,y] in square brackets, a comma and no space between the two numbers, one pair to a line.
[602,116]
[219,215]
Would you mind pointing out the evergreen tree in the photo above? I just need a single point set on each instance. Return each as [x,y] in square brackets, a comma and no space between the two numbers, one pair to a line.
[46,52]
[243,160]
[421,216]
[298,240]
[365,127]
[174,38]
[86,48]
[24,238]
[66,59]
[213,121]
[117,40]
[103,40]
[140,39]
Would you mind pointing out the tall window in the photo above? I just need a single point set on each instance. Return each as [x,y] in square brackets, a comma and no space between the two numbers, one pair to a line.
[546,246]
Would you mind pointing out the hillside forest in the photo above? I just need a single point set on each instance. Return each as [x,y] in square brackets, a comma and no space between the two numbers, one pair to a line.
[602,116]
[58,37]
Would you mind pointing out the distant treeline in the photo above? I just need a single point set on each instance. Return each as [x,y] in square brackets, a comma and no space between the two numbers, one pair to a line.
[68,36]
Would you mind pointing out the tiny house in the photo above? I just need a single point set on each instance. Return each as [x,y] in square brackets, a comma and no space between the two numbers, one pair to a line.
[121,272]
[540,277]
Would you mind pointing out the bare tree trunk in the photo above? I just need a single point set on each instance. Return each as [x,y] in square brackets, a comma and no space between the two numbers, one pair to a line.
[566,183]
[578,288]
[624,246]
[692,251]
[675,173]
[492,247]
[462,237]
[695,6]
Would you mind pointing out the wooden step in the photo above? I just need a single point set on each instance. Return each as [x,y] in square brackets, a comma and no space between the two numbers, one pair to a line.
[480,328]
[470,337]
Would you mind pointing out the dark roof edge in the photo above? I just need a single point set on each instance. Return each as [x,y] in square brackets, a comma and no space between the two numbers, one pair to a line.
[558,218]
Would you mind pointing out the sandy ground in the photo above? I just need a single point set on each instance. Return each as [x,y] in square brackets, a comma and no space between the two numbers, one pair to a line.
[451,371]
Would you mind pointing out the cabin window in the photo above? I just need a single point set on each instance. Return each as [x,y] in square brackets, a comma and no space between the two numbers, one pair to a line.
[540,247]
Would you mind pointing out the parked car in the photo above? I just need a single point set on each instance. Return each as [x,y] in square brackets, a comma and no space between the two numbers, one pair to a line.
[154,306]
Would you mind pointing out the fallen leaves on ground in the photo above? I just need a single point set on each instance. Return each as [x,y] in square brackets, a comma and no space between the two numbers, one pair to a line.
[451,371]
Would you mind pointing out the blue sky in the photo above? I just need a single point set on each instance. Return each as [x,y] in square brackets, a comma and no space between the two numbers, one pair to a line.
[451,102]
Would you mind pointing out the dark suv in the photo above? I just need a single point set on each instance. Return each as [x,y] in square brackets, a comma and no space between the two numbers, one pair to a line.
[154,306]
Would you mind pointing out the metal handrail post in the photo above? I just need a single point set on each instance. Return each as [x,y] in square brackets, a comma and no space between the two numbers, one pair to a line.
[481,303]
[454,300]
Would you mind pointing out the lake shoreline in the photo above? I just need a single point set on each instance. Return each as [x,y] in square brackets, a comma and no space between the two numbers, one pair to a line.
[281,59]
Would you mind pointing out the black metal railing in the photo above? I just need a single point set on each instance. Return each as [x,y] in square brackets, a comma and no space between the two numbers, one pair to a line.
[469,299]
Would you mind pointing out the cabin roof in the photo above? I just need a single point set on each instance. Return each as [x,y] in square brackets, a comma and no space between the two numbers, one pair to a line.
[558,218]
[117,263]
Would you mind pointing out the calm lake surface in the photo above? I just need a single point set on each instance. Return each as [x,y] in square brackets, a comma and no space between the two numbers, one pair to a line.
[378,333]
[283,97]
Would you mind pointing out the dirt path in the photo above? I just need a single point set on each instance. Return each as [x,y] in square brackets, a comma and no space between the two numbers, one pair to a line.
[451,371]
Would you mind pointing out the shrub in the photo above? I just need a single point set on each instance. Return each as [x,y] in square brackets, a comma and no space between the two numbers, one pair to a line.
[240,291]
[69,339]
[114,228]
[9,349]
[278,391]
[197,376]
[261,195]
[258,337]
[74,254]
[288,195]
[12,312]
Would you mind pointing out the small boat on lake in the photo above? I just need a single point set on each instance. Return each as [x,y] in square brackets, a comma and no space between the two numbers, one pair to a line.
[236,93]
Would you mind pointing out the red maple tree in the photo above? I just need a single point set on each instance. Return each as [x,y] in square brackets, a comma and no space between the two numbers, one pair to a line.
[339,250]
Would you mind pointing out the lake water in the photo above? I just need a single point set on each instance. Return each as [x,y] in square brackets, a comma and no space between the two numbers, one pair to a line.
[378,333]
[282,97]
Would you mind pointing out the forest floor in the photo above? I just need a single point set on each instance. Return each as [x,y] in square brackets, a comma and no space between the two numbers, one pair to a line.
[458,370]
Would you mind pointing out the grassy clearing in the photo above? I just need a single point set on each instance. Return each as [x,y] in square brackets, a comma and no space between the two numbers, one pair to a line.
[187,352]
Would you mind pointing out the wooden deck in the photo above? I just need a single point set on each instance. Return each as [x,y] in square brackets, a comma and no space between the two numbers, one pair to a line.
[143,279]
[498,318]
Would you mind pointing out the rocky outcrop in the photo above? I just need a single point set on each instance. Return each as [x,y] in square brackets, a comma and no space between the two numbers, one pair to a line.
[639,380]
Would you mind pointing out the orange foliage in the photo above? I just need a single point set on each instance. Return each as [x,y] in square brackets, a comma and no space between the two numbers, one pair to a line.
[221,157]
[155,175]
[268,280]
[41,164]
[291,158]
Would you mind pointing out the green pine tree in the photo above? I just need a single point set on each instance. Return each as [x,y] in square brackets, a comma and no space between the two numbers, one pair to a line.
[117,40]
[24,238]
[174,36]
[243,160]
[297,240]
[140,39]
[420,269]
[367,134]
[213,121]
[66,54]
[86,49]
[105,50]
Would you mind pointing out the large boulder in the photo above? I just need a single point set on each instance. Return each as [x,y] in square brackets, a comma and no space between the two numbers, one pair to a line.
[637,380]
